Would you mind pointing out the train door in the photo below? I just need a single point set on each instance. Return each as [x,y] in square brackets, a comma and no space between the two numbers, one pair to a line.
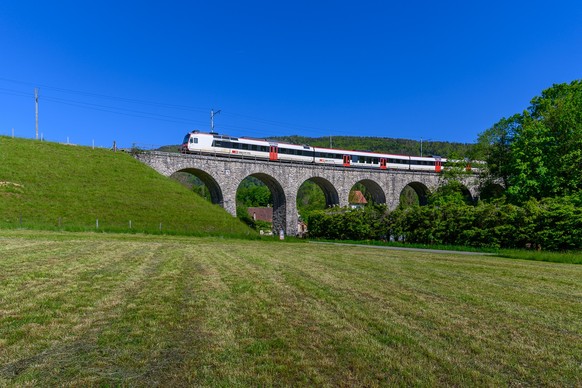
[273,152]
[438,166]
[382,164]
[347,160]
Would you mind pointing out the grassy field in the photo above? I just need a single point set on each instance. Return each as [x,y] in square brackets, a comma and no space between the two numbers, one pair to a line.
[54,186]
[118,309]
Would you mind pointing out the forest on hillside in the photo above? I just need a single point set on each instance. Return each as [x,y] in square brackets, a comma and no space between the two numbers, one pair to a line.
[387,145]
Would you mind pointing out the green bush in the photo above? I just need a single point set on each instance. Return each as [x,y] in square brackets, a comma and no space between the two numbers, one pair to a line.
[551,224]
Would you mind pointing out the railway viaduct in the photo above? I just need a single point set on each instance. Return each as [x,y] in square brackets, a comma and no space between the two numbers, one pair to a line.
[223,175]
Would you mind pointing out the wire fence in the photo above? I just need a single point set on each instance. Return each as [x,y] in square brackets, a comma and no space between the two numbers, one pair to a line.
[112,145]
[129,226]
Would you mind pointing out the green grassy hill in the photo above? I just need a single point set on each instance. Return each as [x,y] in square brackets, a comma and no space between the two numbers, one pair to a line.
[48,185]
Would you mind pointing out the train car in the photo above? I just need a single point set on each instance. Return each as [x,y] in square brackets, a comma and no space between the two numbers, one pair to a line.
[223,145]
[200,142]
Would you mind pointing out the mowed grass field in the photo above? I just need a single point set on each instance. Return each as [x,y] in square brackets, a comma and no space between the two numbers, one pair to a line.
[105,309]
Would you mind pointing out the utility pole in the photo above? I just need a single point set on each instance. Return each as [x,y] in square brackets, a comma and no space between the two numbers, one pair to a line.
[212,114]
[330,143]
[421,146]
[36,109]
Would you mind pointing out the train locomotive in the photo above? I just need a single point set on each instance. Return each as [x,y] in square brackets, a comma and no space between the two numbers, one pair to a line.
[245,147]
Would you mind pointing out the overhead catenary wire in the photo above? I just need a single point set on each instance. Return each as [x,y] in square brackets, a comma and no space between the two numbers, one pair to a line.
[257,127]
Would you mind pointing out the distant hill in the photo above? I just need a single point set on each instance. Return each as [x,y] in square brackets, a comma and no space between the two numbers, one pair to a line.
[50,185]
[385,145]
[377,144]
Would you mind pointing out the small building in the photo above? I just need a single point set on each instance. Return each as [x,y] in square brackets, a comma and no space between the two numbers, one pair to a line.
[357,200]
[261,213]
[301,229]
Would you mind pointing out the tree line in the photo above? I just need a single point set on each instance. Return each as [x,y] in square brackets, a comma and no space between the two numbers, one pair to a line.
[549,224]
[387,145]
[534,156]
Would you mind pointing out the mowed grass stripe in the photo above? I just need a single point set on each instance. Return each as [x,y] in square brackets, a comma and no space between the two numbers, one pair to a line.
[146,310]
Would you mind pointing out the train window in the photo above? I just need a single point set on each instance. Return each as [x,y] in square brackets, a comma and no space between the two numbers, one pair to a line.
[264,148]
[245,146]
[254,147]
[376,161]
[355,158]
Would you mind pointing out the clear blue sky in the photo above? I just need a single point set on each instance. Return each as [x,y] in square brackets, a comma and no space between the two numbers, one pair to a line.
[147,72]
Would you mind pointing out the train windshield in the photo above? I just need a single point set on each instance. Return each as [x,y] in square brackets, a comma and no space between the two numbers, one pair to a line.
[186,139]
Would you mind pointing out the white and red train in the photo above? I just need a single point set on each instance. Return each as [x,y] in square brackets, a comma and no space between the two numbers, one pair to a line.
[244,147]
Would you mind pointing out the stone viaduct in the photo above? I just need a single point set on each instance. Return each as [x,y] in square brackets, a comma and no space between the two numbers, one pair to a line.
[223,175]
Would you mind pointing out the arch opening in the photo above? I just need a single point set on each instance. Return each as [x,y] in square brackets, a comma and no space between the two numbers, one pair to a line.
[261,202]
[414,193]
[366,192]
[491,191]
[316,193]
[201,183]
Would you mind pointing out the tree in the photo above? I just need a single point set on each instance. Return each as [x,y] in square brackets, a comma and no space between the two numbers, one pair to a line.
[538,153]
[496,143]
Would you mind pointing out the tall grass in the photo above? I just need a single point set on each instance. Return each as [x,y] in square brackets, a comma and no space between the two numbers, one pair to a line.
[555,257]
[55,186]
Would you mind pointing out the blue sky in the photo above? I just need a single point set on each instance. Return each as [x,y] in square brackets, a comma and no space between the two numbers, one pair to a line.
[148,72]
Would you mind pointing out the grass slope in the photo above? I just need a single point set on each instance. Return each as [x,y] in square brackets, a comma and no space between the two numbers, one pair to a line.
[176,311]
[47,185]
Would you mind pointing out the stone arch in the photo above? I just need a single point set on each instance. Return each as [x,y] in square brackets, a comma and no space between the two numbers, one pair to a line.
[377,193]
[491,190]
[329,190]
[421,191]
[216,196]
[279,199]
[467,194]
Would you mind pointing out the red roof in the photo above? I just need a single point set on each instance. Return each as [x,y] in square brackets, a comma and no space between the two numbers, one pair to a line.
[261,213]
[357,198]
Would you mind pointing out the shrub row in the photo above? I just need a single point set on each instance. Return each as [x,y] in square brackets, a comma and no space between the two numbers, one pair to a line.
[550,224]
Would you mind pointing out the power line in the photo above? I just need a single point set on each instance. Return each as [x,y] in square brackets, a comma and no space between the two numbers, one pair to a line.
[36,110]
[122,111]
[262,122]
[109,97]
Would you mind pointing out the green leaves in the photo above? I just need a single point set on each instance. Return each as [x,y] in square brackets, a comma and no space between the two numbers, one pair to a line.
[550,224]
[538,153]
